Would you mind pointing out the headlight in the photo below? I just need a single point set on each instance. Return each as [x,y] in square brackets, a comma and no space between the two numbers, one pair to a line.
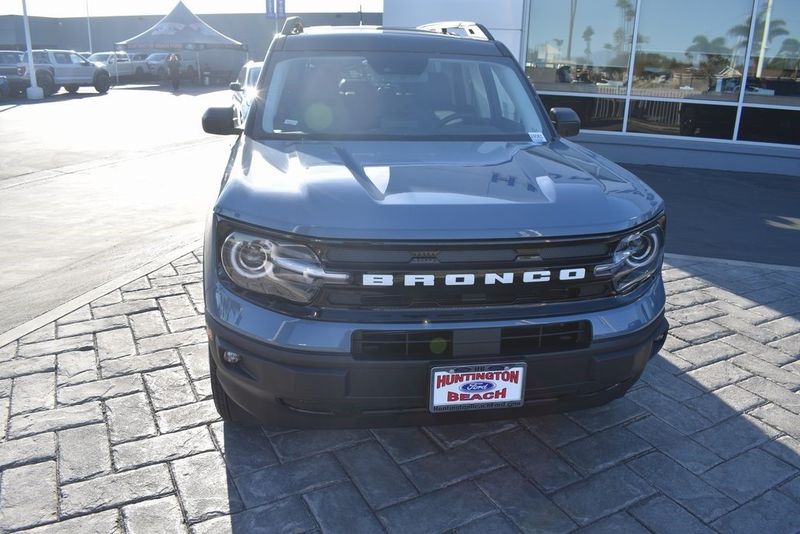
[275,267]
[636,258]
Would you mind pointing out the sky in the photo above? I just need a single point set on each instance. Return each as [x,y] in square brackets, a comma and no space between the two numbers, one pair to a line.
[100,8]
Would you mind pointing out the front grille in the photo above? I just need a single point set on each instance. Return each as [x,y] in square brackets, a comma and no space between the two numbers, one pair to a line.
[440,259]
[492,342]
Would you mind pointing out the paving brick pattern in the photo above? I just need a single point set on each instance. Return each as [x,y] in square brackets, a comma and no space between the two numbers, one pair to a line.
[107,425]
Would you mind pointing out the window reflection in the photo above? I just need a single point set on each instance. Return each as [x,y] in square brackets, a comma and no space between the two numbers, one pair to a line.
[580,45]
[595,113]
[770,126]
[775,57]
[691,49]
[681,118]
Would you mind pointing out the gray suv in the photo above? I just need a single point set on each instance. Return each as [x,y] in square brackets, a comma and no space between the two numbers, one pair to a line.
[404,235]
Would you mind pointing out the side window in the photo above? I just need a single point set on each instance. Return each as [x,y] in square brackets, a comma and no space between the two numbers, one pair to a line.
[41,57]
[507,108]
[75,59]
[62,58]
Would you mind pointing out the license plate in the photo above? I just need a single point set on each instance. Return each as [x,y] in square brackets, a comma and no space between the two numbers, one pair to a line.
[477,387]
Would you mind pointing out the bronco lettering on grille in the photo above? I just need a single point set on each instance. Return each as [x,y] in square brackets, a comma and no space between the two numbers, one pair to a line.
[470,279]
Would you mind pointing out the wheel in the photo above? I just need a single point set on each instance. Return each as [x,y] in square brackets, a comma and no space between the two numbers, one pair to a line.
[45,81]
[71,89]
[226,408]
[102,82]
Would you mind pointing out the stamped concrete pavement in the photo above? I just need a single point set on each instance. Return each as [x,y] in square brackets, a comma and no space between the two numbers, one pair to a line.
[107,425]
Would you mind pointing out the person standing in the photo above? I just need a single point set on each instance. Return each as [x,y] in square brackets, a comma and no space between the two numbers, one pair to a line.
[174,66]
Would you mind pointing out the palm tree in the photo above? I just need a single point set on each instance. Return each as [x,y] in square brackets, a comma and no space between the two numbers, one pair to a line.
[790,50]
[714,51]
[587,36]
[774,28]
[572,9]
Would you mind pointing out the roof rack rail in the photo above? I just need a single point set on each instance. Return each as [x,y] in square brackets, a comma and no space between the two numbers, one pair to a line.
[459,28]
[292,26]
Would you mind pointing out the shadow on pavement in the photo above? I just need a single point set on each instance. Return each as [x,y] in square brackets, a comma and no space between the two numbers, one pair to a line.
[709,436]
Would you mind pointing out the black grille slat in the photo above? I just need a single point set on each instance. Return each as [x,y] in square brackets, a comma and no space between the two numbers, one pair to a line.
[438,344]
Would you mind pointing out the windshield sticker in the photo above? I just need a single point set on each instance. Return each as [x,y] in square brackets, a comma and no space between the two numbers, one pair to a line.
[290,122]
[537,137]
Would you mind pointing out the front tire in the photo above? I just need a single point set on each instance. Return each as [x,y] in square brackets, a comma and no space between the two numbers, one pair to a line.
[45,81]
[71,89]
[226,408]
[102,82]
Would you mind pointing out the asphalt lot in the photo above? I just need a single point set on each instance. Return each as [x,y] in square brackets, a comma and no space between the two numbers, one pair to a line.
[731,215]
[94,186]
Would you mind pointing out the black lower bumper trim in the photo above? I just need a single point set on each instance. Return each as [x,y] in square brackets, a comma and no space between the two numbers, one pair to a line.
[298,389]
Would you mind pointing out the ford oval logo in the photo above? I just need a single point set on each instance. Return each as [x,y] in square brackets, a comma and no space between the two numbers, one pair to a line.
[470,387]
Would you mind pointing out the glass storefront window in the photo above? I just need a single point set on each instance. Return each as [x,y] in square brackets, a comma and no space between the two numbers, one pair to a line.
[774,73]
[595,113]
[681,118]
[770,126]
[579,45]
[691,49]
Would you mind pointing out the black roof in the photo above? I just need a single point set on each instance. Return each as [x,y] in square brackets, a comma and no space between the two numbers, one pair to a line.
[376,38]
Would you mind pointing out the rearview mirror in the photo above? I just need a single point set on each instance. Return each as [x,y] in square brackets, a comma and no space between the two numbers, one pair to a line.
[220,121]
[566,121]
[235,86]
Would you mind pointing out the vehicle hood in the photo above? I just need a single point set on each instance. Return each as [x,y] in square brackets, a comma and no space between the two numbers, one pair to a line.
[431,190]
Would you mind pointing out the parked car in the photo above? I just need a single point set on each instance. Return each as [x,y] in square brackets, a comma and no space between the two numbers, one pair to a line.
[244,89]
[56,68]
[404,235]
[9,64]
[139,62]
[157,66]
[4,89]
[118,64]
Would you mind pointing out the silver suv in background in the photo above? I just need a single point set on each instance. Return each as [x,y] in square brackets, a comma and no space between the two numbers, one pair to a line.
[244,89]
[118,64]
[157,65]
[67,68]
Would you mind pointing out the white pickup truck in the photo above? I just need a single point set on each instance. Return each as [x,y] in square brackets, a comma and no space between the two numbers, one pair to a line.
[57,68]
[119,64]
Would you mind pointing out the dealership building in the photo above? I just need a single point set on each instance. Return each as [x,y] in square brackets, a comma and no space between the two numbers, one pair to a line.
[655,81]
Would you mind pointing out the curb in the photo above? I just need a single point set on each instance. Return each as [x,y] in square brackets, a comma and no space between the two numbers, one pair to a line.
[84,299]
[79,301]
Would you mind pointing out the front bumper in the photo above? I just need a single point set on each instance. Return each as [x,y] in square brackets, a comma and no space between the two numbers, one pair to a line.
[300,372]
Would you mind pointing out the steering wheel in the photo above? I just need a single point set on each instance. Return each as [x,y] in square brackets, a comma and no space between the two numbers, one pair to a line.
[465,118]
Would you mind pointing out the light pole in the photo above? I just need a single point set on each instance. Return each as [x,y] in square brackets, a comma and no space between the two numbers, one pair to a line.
[34,92]
[89,27]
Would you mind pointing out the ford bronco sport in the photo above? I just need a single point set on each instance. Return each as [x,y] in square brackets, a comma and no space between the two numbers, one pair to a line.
[404,235]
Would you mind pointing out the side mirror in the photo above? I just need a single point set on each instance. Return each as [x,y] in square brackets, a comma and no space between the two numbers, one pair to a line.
[566,121]
[86,63]
[235,86]
[220,121]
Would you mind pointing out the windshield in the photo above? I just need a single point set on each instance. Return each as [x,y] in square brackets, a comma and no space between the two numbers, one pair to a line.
[156,57]
[399,94]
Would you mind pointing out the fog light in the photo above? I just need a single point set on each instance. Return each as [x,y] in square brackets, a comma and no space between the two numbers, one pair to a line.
[231,357]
